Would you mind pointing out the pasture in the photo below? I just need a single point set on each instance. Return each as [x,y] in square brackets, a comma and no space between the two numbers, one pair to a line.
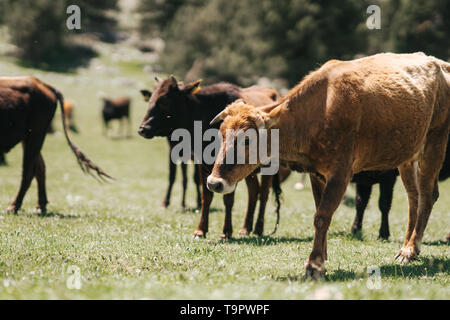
[126,246]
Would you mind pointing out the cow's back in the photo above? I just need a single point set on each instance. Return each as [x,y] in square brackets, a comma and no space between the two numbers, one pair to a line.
[259,95]
[391,101]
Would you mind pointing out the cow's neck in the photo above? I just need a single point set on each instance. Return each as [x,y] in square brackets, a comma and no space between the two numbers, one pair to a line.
[294,146]
[205,106]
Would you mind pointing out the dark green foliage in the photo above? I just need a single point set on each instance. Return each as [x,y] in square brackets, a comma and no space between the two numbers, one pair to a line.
[241,41]
[38,27]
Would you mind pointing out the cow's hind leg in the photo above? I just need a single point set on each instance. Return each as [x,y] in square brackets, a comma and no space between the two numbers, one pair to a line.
[253,190]
[197,184]
[363,192]
[427,177]
[31,151]
[184,181]
[40,177]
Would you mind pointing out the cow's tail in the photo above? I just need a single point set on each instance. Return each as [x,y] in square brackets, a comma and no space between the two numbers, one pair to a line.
[85,163]
[277,191]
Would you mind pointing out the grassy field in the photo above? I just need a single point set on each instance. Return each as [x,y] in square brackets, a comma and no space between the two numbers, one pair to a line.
[123,245]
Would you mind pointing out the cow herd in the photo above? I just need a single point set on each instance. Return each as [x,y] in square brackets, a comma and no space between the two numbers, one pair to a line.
[365,121]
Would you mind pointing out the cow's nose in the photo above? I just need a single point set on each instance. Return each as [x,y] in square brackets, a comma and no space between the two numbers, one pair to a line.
[142,131]
[215,186]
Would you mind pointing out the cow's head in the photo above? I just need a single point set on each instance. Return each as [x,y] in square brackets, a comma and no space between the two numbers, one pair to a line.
[167,107]
[240,132]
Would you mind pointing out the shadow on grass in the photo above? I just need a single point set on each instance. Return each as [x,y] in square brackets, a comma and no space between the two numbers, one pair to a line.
[423,267]
[347,235]
[65,59]
[436,243]
[268,240]
[52,214]
[195,210]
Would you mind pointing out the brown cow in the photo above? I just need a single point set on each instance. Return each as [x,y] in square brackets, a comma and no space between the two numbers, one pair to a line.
[68,111]
[375,113]
[27,107]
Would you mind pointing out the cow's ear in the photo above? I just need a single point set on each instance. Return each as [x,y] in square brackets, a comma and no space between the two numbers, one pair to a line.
[193,87]
[173,82]
[272,118]
[147,94]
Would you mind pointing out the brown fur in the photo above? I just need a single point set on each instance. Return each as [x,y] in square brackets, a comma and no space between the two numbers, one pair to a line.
[27,106]
[376,113]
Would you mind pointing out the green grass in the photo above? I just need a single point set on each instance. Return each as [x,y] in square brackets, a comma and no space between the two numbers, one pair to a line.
[126,246]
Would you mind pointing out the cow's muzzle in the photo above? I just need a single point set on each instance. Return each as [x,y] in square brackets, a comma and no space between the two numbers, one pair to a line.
[145,132]
[219,185]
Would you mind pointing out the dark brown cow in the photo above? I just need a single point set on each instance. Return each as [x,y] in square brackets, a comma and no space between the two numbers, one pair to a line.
[176,105]
[173,170]
[118,108]
[27,107]
[371,114]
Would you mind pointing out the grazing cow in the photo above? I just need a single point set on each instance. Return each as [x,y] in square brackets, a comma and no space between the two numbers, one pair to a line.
[386,179]
[118,108]
[68,111]
[27,107]
[376,113]
[173,170]
[176,105]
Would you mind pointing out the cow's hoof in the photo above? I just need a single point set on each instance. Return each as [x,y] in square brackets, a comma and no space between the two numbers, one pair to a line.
[12,209]
[384,237]
[406,254]
[199,234]
[258,233]
[225,237]
[314,271]
[40,210]
[356,229]
[165,204]
[244,232]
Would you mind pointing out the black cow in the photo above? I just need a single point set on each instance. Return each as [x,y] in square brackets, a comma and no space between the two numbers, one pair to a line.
[176,105]
[118,108]
[173,170]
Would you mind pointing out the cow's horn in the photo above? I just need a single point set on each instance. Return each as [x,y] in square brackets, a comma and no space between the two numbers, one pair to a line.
[222,115]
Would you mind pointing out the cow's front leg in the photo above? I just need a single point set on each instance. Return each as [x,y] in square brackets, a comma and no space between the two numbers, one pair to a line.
[207,197]
[228,200]
[335,187]
[253,190]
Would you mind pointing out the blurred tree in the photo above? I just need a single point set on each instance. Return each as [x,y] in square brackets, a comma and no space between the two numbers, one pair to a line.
[38,27]
[240,41]
[157,15]
[422,25]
